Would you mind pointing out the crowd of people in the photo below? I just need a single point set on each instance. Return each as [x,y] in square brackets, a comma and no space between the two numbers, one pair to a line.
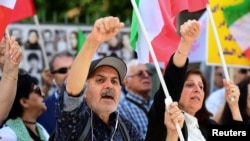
[83,98]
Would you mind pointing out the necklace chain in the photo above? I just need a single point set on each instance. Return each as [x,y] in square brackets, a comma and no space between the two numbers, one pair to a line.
[29,122]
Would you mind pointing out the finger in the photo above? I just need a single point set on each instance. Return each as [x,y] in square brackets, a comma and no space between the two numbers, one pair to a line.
[8,41]
[110,23]
[16,54]
[100,25]
[178,119]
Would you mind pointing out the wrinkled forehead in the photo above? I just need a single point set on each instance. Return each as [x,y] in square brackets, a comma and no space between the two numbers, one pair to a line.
[103,70]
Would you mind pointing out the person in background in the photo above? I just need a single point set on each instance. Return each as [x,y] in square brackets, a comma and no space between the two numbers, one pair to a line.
[21,123]
[59,67]
[136,104]
[10,57]
[92,91]
[243,98]
[216,100]
[218,78]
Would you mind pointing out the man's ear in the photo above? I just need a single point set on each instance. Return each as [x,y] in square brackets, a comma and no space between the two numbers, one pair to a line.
[125,81]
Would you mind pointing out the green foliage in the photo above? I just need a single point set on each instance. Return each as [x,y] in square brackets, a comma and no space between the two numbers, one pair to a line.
[90,10]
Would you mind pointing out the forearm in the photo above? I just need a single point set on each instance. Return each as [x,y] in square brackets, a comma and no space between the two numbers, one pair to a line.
[46,88]
[172,136]
[236,113]
[80,67]
[181,54]
[8,86]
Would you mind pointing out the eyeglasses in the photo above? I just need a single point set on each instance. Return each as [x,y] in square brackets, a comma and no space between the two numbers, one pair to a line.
[37,90]
[219,74]
[141,74]
[61,70]
[244,71]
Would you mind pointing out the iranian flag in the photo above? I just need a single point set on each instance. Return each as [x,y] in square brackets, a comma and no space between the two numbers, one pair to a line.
[6,8]
[237,18]
[23,9]
[159,18]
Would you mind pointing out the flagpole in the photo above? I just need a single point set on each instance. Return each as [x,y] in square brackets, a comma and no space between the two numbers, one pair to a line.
[7,32]
[218,45]
[168,98]
[41,41]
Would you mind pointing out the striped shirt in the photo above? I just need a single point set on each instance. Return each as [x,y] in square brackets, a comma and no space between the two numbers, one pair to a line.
[133,107]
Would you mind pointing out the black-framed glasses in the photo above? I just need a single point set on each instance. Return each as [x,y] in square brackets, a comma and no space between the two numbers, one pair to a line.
[244,71]
[38,91]
[220,74]
[142,74]
[60,70]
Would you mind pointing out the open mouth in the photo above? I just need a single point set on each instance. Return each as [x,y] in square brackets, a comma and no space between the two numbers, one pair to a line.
[108,97]
[108,94]
[195,98]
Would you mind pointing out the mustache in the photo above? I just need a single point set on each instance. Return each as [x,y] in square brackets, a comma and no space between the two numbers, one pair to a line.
[108,92]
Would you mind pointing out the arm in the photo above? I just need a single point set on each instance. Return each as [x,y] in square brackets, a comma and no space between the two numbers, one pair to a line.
[173,115]
[174,78]
[190,31]
[11,56]
[232,90]
[219,112]
[104,29]
[47,81]
[178,64]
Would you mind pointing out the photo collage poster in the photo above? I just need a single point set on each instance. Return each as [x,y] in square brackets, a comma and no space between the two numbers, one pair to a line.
[58,38]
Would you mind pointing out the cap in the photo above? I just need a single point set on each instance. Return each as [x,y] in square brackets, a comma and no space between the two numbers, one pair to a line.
[118,64]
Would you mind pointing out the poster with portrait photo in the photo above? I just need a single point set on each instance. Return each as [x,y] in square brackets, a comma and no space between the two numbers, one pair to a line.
[17,33]
[61,40]
[33,64]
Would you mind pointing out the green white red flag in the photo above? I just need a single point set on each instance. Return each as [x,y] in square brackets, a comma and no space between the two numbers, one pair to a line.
[159,17]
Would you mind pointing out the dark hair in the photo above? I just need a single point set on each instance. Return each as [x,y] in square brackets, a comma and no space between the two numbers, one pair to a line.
[243,71]
[25,84]
[60,54]
[33,56]
[203,114]
[33,30]
[226,117]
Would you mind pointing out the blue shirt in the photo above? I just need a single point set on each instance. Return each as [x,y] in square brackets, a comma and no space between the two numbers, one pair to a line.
[135,113]
[72,113]
[48,118]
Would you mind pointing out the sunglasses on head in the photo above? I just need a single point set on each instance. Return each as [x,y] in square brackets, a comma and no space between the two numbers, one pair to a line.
[61,70]
[37,90]
[141,74]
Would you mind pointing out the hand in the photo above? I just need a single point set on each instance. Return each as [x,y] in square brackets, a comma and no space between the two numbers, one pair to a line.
[173,115]
[2,51]
[13,53]
[10,55]
[231,90]
[190,30]
[47,78]
[105,28]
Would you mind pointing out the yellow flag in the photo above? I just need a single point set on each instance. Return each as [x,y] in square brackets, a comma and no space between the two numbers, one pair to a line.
[231,50]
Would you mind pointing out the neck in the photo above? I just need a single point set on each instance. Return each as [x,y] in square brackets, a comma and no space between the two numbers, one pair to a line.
[29,122]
